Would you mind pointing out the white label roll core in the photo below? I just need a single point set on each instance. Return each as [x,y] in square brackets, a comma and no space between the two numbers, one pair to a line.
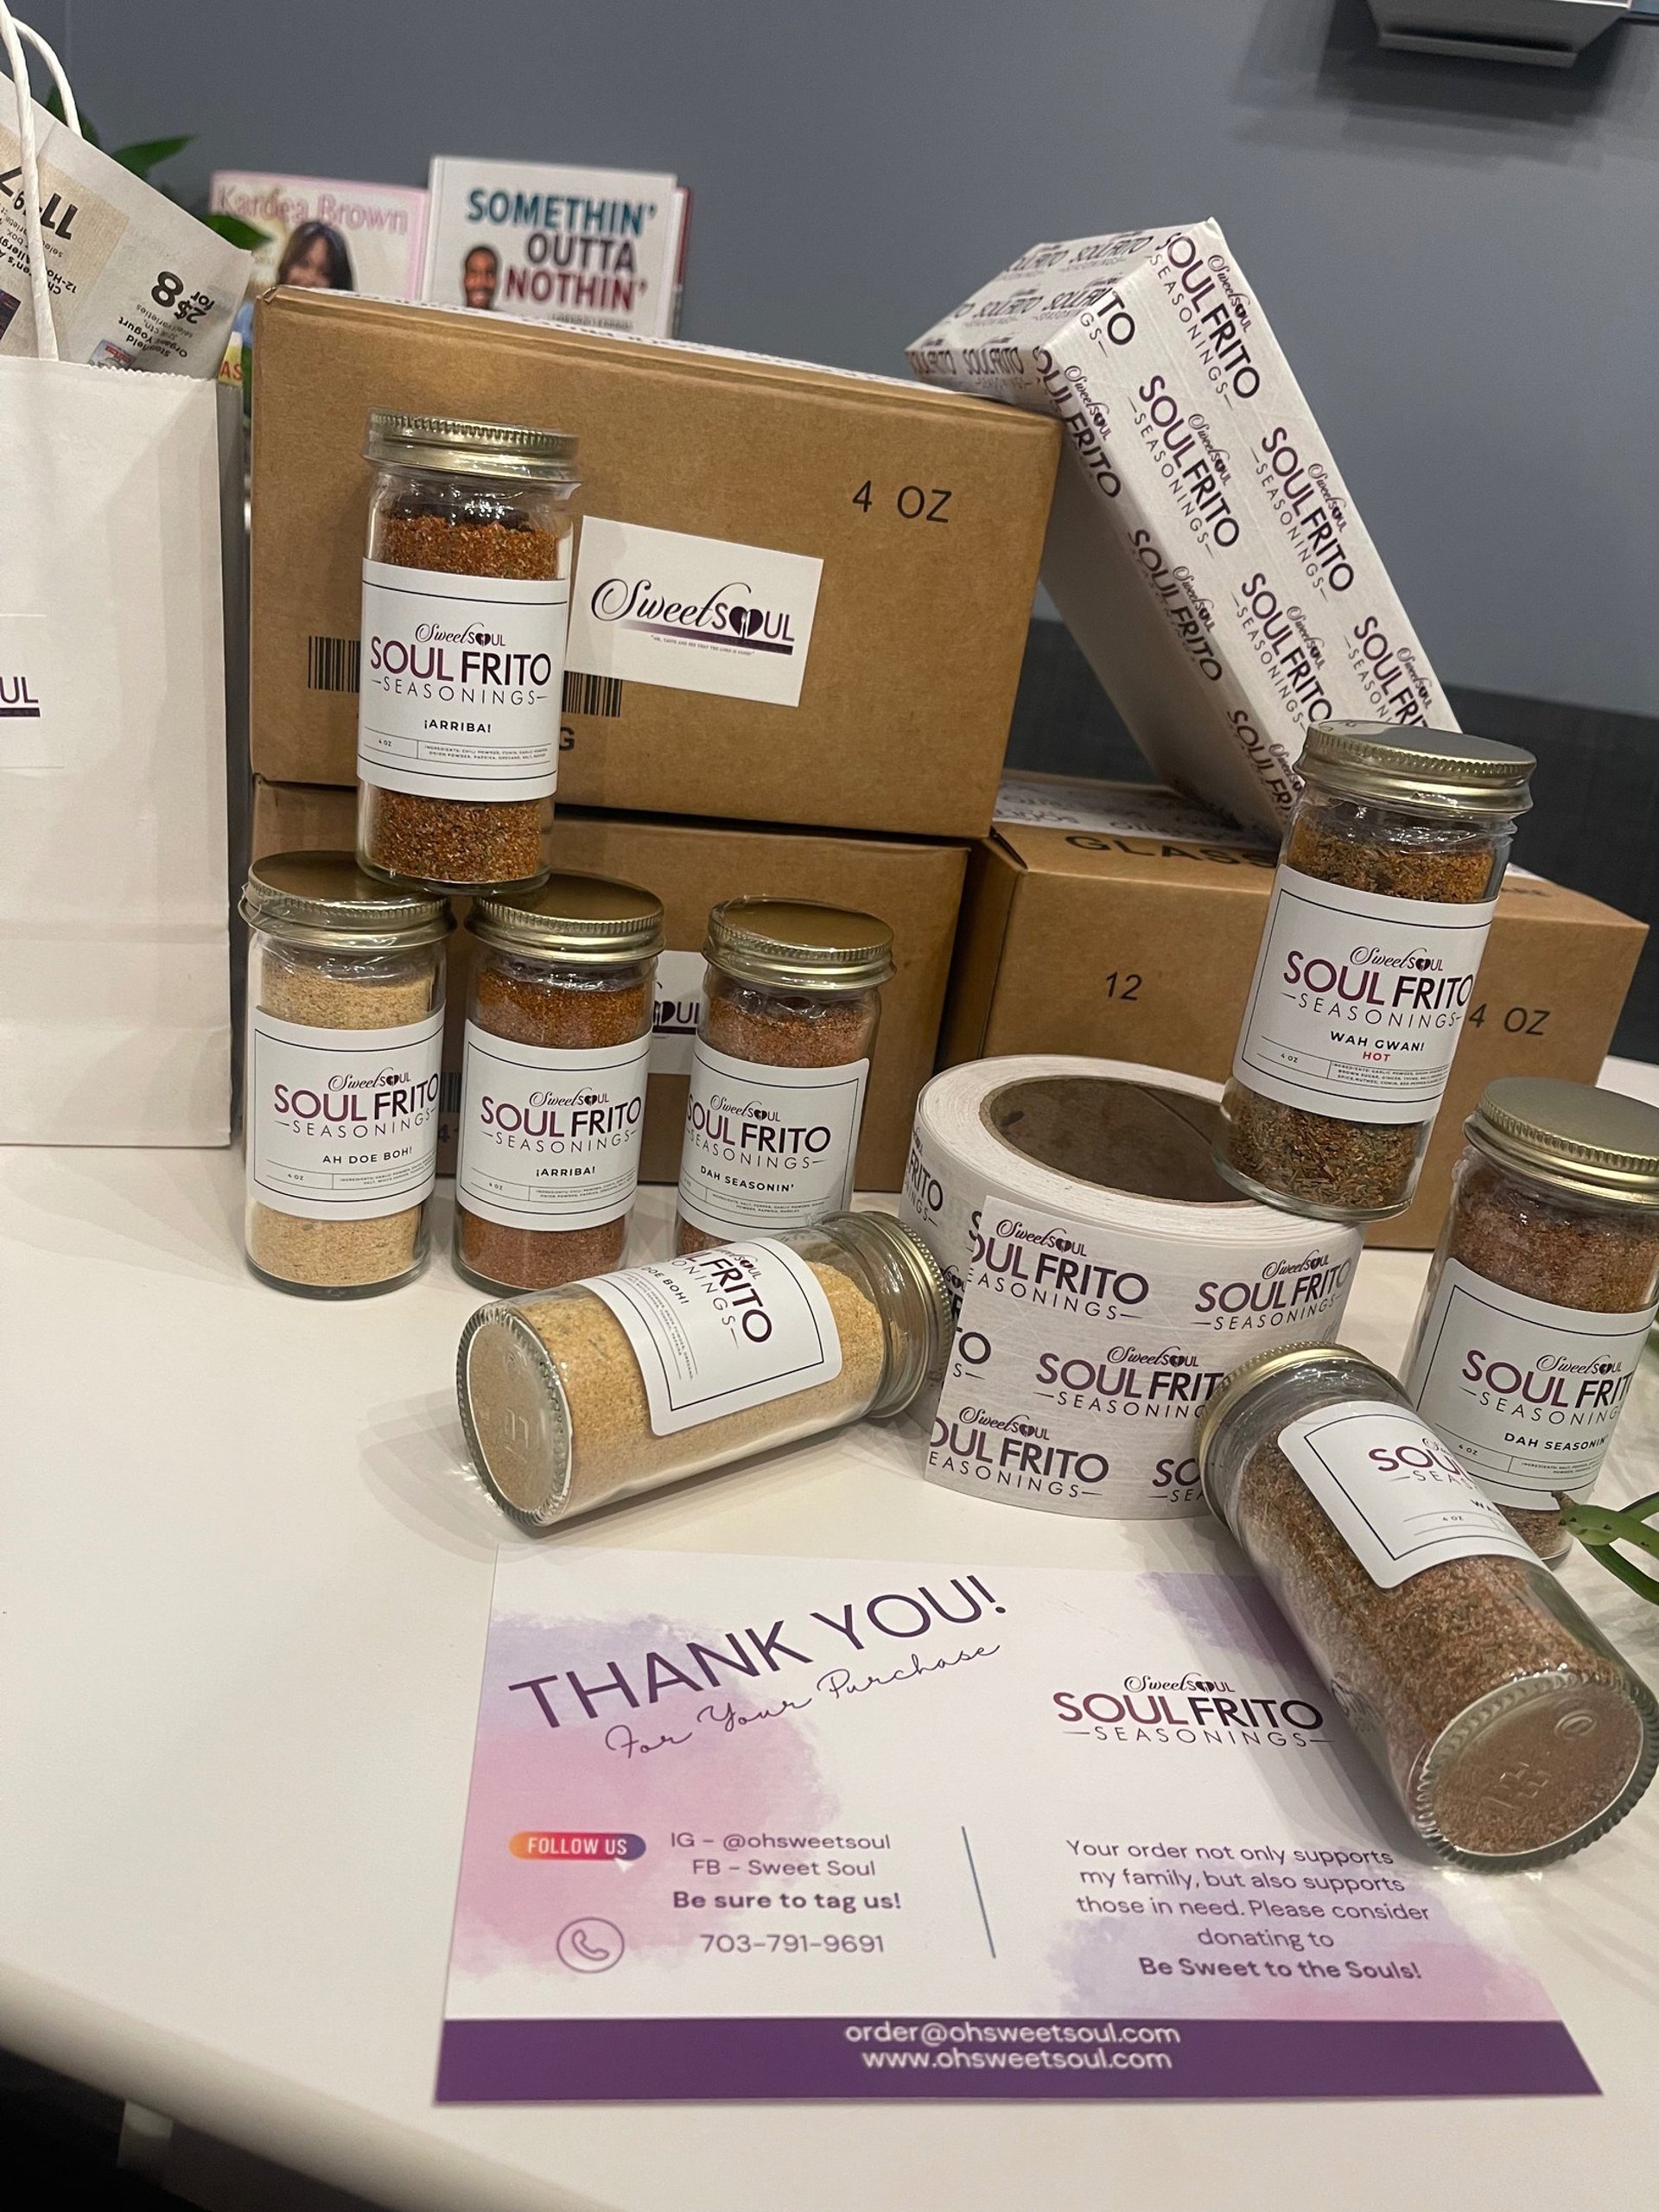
[1076,1383]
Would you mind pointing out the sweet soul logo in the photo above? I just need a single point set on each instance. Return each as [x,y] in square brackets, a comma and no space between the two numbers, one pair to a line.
[728,616]
[18,701]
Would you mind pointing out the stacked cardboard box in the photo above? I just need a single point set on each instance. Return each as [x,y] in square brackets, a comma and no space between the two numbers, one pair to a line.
[1204,551]
[902,526]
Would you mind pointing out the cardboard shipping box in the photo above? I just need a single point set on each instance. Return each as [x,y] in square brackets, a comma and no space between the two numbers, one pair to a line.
[690,865]
[847,563]
[1078,936]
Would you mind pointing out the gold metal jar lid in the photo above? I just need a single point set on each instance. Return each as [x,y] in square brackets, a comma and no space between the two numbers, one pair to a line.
[326,898]
[470,449]
[797,945]
[1594,1144]
[1282,1360]
[1438,770]
[586,920]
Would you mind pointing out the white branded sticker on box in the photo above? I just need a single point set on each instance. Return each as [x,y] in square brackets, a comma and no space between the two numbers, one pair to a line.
[680,1003]
[692,613]
[1396,1495]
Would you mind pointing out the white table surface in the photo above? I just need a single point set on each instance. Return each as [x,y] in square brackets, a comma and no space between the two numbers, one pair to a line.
[243,1603]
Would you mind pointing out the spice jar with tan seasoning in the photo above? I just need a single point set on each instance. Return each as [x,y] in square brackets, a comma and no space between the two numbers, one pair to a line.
[579,1397]
[1541,1294]
[1507,1726]
[553,1083]
[466,595]
[1384,894]
[779,1067]
[340,1101]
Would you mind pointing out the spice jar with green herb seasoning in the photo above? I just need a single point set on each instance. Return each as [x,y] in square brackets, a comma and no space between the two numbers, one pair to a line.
[1383,897]
[466,595]
[585,1394]
[1509,1730]
[780,1068]
[344,1041]
[1541,1294]
[553,1081]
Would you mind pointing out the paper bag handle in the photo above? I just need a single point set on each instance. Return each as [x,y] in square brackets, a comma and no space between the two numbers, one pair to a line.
[12,35]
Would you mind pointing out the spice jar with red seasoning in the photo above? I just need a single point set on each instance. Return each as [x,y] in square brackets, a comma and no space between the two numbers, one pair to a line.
[466,595]
[1383,897]
[780,1068]
[553,1082]
[1509,1730]
[1541,1294]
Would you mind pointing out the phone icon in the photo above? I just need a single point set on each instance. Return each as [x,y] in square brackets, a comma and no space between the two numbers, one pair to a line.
[590,1945]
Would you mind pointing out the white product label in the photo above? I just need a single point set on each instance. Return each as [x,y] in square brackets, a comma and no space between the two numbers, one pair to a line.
[723,1330]
[1083,1355]
[1399,1499]
[1359,1000]
[767,1147]
[682,1001]
[1527,1394]
[549,1137]
[461,684]
[694,614]
[342,1123]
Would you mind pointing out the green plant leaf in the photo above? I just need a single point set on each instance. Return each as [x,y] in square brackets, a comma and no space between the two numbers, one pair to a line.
[233,228]
[88,130]
[1600,1528]
[148,152]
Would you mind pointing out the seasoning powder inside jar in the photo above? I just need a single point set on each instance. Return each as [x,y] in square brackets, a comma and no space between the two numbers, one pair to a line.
[1508,1728]
[553,1088]
[1381,905]
[579,1397]
[1542,1293]
[344,1044]
[780,1068]
[466,594]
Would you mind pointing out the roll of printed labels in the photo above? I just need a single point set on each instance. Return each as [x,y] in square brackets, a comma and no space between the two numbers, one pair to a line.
[1106,1279]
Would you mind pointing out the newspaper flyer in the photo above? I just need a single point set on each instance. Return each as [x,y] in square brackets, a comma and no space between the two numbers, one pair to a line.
[742,1827]
[136,281]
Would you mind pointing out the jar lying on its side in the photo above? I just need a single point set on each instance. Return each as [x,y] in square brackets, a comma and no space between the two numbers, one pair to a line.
[1509,1731]
[577,1396]
[466,594]
[779,1067]
[1541,1294]
[345,1042]
[553,1083]
[1384,894]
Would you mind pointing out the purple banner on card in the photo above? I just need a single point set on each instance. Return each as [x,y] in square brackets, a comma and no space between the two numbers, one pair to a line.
[544,2062]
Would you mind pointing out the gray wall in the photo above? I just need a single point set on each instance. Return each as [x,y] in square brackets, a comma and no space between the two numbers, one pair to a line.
[1461,260]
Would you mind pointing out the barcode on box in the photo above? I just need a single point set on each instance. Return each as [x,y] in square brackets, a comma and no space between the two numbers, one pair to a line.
[591,695]
[332,663]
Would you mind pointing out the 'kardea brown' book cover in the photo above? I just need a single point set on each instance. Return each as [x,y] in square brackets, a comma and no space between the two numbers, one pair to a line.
[603,249]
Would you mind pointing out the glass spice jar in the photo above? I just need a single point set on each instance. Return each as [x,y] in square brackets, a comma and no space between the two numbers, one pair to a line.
[1385,890]
[1541,1294]
[1508,1728]
[779,1067]
[587,1394]
[466,595]
[344,1041]
[553,1083]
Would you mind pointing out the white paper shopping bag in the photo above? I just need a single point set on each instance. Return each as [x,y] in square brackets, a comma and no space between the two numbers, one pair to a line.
[114,951]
